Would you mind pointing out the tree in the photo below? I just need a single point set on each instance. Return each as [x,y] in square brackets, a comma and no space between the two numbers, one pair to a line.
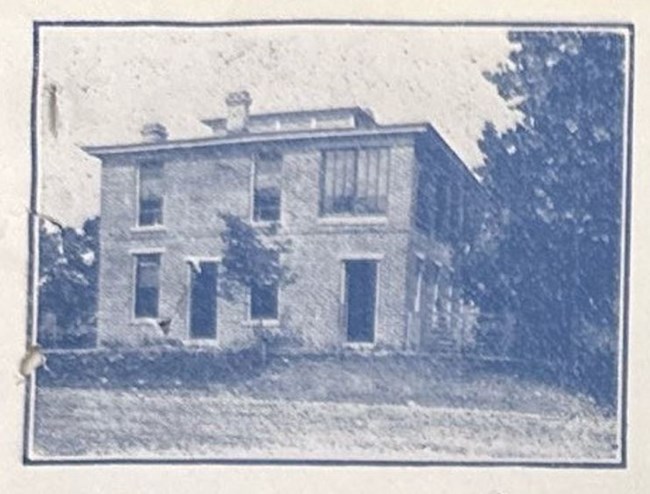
[68,277]
[249,258]
[558,174]
[252,258]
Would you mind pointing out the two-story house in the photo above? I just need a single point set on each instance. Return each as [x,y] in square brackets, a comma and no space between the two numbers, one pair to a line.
[374,213]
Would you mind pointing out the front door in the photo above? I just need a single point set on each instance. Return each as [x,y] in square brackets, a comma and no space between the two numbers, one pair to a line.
[360,300]
[203,300]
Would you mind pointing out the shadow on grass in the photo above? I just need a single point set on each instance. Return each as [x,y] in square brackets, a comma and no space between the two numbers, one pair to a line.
[148,367]
[345,378]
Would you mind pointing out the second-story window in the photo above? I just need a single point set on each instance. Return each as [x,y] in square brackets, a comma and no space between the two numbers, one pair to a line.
[150,194]
[456,210]
[425,196]
[267,193]
[355,181]
[442,207]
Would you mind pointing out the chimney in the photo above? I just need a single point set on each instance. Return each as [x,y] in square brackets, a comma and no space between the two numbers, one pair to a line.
[238,105]
[153,132]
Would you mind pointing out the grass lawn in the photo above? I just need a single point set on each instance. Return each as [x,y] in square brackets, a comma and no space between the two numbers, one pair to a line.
[330,408]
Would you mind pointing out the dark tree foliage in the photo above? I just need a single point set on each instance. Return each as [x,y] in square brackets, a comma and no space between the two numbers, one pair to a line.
[252,259]
[68,276]
[249,258]
[558,175]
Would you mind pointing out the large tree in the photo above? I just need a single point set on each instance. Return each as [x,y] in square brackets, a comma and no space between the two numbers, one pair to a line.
[558,175]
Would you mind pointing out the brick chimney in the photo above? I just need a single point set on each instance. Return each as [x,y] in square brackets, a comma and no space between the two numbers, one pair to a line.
[154,132]
[238,104]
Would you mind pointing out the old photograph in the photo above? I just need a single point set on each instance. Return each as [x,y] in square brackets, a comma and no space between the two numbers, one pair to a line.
[330,242]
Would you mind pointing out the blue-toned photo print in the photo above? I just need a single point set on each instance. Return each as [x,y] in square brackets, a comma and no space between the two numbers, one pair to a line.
[365,243]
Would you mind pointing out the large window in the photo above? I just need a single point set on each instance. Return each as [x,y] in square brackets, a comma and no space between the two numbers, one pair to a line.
[355,181]
[147,285]
[267,193]
[150,194]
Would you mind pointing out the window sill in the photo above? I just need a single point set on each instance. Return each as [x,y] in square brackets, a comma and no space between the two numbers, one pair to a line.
[143,320]
[353,220]
[265,323]
[266,224]
[148,229]
[194,342]
[358,345]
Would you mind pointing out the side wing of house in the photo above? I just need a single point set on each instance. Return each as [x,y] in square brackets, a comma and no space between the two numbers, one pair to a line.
[448,205]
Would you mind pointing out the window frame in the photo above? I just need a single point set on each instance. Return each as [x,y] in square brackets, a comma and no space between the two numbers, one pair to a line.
[433,273]
[357,150]
[456,197]
[253,187]
[250,319]
[136,255]
[420,265]
[425,199]
[256,319]
[442,223]
[138,199]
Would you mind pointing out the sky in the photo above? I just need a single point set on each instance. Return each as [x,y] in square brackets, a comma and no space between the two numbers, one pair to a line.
[110,81]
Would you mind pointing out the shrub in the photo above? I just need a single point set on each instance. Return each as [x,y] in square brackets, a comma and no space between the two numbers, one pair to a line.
[153,366]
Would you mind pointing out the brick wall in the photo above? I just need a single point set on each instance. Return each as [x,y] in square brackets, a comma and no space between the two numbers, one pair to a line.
[198,186]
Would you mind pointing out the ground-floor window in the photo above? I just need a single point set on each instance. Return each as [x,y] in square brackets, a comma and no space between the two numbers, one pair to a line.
[147,285]
[264,301]
[419,281]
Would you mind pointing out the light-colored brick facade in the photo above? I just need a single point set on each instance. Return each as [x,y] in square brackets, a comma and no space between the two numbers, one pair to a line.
[205,177]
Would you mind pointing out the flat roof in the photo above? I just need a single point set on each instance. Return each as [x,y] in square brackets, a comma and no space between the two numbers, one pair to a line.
[323,113]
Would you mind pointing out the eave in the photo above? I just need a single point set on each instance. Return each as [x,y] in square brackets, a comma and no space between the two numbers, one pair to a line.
[261,138]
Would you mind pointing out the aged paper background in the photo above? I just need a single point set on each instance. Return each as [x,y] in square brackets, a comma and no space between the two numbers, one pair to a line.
[16,19]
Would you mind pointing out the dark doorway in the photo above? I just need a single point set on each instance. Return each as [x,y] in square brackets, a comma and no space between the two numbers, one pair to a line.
[203,300]
[360,300]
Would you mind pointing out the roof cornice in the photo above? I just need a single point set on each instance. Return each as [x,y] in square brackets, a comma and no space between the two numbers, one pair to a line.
[239,139]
